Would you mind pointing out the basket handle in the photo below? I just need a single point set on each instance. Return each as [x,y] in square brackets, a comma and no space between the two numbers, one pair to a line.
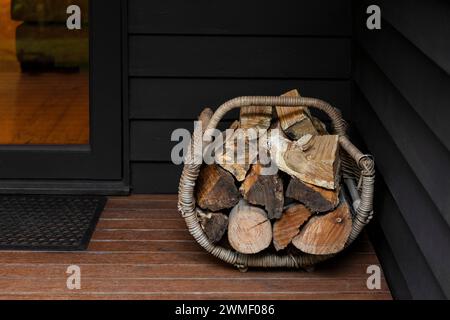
[338,122]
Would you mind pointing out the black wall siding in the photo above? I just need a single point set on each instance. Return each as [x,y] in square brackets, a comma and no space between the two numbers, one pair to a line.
[155,177]
[181,98]
[402,63]
[430,230]
[185,56]
[425,154]
[424,23]
[401,109]
[414,267]
[239,57]
[236,17]
[396,246]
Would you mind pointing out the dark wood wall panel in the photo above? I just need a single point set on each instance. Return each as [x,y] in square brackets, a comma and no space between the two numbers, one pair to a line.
[235,17]
[400,106]
[391,225]
[421,81]
[424,22]
[396,281]
[151,140]
[425,154]
[423,218]
[181,98]
[239,57]
[155,178]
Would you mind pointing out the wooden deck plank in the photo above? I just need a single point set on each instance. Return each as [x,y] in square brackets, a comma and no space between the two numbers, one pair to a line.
[176,285]
[142,224]
[142,250]
[201,296]
[130,271]
[173,246]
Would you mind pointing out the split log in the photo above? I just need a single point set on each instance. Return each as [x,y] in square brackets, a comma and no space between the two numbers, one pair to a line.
[326,234]
[288,227]
[315,161]
[214,224]
[295,121]
[258,118]
[320,126]
[249,229]
[215,189]
[317,199]
[237,155]
[264,190]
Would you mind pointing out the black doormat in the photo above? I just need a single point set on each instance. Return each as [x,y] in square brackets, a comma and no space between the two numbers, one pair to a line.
[44,222]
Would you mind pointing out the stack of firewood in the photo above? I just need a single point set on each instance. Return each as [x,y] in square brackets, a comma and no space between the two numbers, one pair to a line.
[299,207]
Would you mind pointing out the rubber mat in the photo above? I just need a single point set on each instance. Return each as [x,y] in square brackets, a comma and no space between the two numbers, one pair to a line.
[50,223]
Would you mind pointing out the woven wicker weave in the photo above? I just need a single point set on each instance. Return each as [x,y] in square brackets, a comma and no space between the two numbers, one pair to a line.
[356,168]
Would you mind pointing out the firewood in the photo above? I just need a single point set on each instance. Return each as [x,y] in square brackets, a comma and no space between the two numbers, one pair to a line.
[317,199]
[314,160]
[216,189]
[214,224]
[237,159]
[264,190]
[249,229]
[320,126]
[258,118]
[288,227]
[295,121]
[326,234]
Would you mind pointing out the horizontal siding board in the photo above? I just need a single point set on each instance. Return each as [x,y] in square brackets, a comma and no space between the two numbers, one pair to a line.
[427,156]
[155,178]
[160,98]
[151,140]
[423,84]
[419,278]
[426,23]
[250,17]
[394,277]
[431,232]
[239,57]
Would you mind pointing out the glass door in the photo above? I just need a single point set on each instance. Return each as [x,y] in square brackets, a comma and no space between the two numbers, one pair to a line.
[60,90]
[44,72]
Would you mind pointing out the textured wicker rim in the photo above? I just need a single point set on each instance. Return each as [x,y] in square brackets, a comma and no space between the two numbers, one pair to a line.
[355,165]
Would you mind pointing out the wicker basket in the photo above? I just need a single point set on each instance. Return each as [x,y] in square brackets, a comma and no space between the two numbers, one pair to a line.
[357,169]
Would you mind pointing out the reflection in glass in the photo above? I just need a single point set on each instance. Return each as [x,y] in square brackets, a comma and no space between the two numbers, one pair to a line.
[44,72]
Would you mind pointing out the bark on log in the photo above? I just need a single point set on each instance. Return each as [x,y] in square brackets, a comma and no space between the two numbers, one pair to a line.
[315,162]
[288,227]
[214,224]
[317,199]
[264,190]
[326,234]
[295,121]
[320,126]
[215,189]
[249,229]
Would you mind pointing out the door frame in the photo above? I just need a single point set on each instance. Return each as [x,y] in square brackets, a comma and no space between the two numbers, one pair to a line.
[102,167]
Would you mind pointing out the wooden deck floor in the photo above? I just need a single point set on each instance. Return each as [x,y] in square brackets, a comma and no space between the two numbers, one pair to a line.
[142,250]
